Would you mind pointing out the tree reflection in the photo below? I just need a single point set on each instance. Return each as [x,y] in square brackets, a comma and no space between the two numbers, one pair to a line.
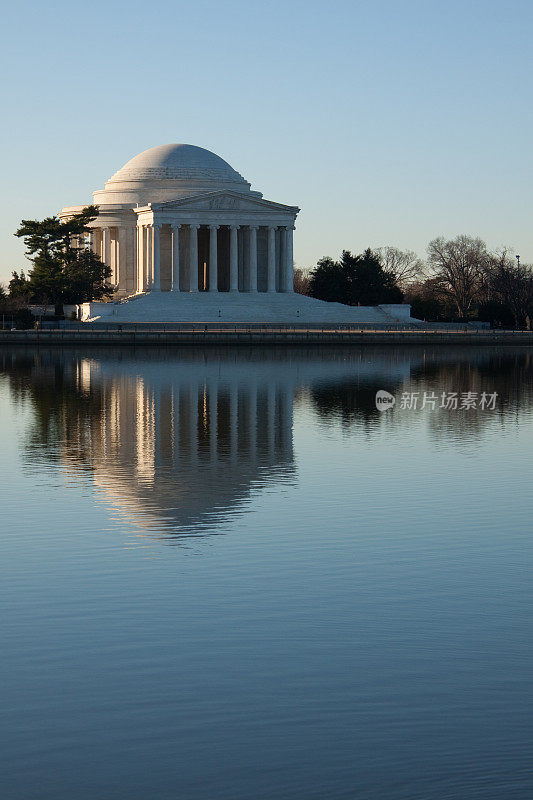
[349,402]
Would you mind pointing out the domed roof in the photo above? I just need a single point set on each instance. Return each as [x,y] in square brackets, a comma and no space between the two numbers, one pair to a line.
[177,162]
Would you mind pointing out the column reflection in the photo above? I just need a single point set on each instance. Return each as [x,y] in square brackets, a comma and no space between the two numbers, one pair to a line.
[183,452]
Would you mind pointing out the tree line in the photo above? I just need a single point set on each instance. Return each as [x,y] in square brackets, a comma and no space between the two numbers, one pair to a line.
[460,280]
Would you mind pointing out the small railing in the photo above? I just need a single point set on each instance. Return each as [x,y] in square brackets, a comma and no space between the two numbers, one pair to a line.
[262,327]
[95,330]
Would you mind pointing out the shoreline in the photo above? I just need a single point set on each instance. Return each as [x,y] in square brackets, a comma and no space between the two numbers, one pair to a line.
[215,335]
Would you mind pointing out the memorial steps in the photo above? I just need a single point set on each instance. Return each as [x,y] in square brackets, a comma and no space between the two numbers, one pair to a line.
[239,307]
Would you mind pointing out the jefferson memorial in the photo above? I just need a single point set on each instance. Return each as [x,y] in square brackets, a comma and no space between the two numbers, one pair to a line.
[188,240]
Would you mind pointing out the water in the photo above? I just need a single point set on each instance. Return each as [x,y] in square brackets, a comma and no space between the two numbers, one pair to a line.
[226,575]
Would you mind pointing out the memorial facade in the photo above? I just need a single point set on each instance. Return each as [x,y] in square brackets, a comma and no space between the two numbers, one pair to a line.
[187,239]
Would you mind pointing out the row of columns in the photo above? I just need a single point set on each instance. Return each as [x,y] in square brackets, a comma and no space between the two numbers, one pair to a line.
[149,248]
[114,252]
[146,248]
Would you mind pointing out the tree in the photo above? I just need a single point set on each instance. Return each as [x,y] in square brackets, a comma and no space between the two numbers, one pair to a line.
[428,302]
[354,280]
[370,283]
[64,269]
[18,286]
[328,282]
[86,277]
[511,286]
[301,281]
[459,265]
[15,309]
[405,265]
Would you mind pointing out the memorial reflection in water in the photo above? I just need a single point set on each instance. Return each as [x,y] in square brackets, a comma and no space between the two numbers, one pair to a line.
[177,441]
[184,444]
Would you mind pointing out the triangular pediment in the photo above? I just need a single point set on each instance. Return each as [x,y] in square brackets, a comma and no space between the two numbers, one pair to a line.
[224,201]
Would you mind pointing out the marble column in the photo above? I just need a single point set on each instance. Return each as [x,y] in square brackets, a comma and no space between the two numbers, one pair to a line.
[233,260]
[140,259]
[175,257]
[193,258]
[213,258]
[105,246]
[131,256]
[113,256]
[283,258]
[252,254]
[271,274]
[156,257]
[149,254]
[289,261]
[121,260]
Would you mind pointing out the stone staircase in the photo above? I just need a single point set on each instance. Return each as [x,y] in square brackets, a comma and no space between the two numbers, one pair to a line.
[240,307]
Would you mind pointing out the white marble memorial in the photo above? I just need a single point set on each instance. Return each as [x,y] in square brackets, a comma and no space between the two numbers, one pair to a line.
[188,240]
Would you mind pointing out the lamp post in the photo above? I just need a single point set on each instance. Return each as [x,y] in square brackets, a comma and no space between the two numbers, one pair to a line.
[517,263]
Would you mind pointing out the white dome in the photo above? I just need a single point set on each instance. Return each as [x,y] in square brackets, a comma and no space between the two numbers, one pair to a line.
[176,162]
[167,172]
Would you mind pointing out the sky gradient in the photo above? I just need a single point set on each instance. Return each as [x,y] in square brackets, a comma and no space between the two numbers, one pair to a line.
[390,122]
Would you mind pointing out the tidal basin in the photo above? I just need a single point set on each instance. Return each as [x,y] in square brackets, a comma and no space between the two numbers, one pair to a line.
[227,574]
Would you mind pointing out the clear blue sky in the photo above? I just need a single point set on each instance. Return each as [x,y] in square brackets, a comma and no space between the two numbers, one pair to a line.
[387,122]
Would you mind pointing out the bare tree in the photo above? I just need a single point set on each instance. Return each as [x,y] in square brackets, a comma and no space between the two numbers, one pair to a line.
[405,265]
[512,285]
[301,281]
[460,266]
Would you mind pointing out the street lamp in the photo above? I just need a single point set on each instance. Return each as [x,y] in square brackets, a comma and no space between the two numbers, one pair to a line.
[517,263]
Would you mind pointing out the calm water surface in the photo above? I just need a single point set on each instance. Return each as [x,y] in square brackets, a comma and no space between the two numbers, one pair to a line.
[226,575]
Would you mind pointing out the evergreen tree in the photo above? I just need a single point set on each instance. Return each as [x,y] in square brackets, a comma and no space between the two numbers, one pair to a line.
[18,286]
[328,282]
[86,277]
[370,284]
[62,272]
[359,279]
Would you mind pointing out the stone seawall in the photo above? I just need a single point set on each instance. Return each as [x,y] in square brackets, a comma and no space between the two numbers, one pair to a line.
[243,336]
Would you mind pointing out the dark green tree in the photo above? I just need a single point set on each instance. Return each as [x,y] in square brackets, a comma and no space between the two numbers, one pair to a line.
[64,269]
[353,280]
[18,286]
[14,308]
[328,281]
[370,284]
[86,277]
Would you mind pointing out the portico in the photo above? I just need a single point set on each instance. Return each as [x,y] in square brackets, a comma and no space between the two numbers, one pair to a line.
[215,254]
